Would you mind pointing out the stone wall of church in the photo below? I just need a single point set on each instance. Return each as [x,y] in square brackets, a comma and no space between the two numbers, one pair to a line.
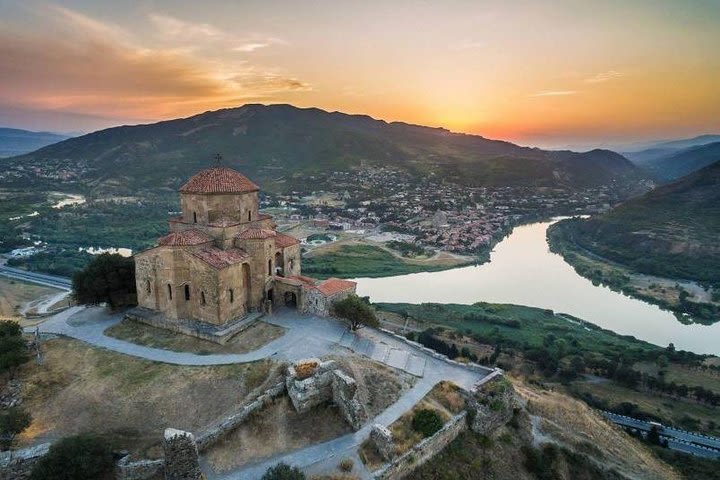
[207,208]
[162,275]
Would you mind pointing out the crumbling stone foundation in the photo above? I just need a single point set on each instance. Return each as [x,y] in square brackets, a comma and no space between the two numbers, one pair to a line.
[383,440]
[490,406]
[312,382]
[181,456]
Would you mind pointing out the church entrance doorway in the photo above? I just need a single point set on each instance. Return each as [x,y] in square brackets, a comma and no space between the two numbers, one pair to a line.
[290,300]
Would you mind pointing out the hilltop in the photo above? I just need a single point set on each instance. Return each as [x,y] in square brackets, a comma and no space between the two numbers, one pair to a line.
[278,143]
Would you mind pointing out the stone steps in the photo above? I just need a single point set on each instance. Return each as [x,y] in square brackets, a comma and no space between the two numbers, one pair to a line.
[400,358]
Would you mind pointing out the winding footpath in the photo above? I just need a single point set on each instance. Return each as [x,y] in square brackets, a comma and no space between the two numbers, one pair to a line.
[304,337]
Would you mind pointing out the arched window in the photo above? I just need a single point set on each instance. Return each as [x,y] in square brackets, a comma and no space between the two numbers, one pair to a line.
[169,291]
[232,295]
[147,285]
[194,217]
[202,298]
[187,292]
[269,267]
[250,216]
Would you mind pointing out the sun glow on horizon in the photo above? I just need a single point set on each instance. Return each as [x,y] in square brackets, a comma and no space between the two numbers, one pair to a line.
[527,72]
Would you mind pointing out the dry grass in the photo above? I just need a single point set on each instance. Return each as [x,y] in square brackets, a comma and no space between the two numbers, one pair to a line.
[128,400]
[14,294]
[573,424]
[252,338]
[276,429]
[378,386]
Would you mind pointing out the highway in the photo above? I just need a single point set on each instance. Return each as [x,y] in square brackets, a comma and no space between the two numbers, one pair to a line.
[680,440]
[62,283]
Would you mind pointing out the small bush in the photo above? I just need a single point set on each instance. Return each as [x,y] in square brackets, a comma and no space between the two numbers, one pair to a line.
[346,465]
[283,471]
[426,422]
[73,458]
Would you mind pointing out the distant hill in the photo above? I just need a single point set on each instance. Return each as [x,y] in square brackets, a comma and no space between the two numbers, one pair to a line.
[16,142]
[674,165]
[671,231]
[673,159]
[282,142]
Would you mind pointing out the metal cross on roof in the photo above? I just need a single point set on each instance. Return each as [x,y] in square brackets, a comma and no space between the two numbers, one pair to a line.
[218,158]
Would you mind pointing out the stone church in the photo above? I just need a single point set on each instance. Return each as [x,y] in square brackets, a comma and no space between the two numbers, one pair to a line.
[224,261]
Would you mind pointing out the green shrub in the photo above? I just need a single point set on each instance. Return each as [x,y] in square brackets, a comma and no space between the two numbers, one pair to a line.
[12,421]
[426,422]
[283,471]
[75,458]
[13,351]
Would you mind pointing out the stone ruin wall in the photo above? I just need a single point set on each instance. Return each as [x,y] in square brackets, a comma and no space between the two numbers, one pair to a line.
[489,407]
[405,464]
[17,464]
[326,383]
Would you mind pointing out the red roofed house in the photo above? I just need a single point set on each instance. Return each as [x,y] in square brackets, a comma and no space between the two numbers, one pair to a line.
[223,260]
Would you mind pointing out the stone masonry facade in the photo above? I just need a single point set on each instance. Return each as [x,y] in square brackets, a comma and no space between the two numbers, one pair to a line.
[223,260]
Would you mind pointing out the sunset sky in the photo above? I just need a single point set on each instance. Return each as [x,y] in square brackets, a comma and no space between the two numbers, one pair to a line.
[541,73]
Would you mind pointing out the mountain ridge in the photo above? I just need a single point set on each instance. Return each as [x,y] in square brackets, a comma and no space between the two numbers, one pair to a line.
[263,140]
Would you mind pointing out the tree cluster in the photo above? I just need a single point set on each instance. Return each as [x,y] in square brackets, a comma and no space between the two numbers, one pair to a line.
[108,278]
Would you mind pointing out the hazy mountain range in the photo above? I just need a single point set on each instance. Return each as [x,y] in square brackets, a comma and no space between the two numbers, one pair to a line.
[284,142]
[673,159]
[14,141]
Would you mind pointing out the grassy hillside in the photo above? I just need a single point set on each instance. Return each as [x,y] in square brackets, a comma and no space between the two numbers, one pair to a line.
[276,142]
[672,231]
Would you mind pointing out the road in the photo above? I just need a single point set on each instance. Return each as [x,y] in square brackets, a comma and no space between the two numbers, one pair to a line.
[681,440]
[62,283]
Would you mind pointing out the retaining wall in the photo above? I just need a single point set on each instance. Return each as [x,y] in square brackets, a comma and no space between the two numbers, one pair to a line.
[215,432]
[402,466]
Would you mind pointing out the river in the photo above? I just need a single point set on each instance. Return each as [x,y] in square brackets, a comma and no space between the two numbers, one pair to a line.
[523,271]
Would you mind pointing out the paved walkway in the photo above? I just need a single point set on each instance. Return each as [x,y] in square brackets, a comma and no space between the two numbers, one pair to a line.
[305,336]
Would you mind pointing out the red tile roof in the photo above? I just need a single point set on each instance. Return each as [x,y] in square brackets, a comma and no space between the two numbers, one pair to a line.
[303,279]
[185,238]
[331,286]
[256,234]
[283,241]
[219,180]
[219,259]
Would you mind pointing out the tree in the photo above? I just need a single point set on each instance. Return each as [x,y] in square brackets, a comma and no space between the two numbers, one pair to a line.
[108,278]
[13,350]
[72,458]
[283,471]
[357,311]
[13,421]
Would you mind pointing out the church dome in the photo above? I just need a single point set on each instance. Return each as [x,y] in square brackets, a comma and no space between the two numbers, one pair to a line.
[219,180]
